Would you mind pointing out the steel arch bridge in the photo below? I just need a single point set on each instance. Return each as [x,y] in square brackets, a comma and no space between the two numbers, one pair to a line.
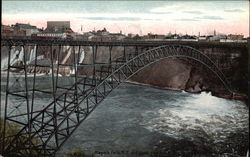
[44,131]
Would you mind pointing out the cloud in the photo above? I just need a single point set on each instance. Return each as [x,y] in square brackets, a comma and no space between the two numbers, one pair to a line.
[148,19]
[161,10]
[211,18]
[121,18]
[205,17]
[234,10]
[114,18]
[193,12]
[186,19]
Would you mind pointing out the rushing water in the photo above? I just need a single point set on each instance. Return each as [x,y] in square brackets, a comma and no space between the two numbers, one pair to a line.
[142,121]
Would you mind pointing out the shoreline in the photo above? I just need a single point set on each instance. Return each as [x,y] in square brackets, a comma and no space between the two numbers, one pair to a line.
[235,96]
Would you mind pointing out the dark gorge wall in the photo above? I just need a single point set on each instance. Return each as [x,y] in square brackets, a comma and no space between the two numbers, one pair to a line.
[188,75]
[177,74]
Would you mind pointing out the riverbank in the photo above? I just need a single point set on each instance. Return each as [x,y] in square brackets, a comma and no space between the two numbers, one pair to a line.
[234,96]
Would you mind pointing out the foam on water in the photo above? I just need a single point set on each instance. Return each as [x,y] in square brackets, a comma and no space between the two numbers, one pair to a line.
[121,119]
[202,113]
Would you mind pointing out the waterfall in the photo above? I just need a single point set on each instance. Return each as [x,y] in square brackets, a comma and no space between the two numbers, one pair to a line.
[4,63]
[72,71]
[13,56]
[32,54]
[17,56]
[82,55]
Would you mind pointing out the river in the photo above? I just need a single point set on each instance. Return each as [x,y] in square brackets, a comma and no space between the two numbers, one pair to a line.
[137,120]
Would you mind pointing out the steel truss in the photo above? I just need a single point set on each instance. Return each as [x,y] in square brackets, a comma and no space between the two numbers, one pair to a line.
[42,132]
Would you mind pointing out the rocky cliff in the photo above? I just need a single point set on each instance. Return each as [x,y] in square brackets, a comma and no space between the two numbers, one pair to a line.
[179,74]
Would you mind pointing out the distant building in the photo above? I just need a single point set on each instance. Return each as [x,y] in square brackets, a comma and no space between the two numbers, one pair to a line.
[137,37]
[202,38]
[235,37]
[102,32]
[21,29]
[216,37]
[102,38]
[103,35]
[130,35]
[77,36]
[151,36]
[168,36]
[6,30]
[188,38]
[54,26]
[175,36]
[59,29]
[118,36]
[87,35]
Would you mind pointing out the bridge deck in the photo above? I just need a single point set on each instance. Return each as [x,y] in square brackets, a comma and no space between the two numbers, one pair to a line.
[45,42]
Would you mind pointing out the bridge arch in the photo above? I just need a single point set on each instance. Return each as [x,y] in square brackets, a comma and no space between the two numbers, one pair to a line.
[54,126]
[174,51]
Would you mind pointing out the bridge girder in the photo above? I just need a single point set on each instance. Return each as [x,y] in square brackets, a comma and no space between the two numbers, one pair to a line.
[54,124]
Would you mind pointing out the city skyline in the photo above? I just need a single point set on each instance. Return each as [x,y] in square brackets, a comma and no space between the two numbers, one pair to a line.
[160,17]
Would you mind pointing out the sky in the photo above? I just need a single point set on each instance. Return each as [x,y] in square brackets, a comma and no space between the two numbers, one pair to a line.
[137,17]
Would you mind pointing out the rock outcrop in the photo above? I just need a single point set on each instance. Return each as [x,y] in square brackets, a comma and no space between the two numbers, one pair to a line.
[178,74]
